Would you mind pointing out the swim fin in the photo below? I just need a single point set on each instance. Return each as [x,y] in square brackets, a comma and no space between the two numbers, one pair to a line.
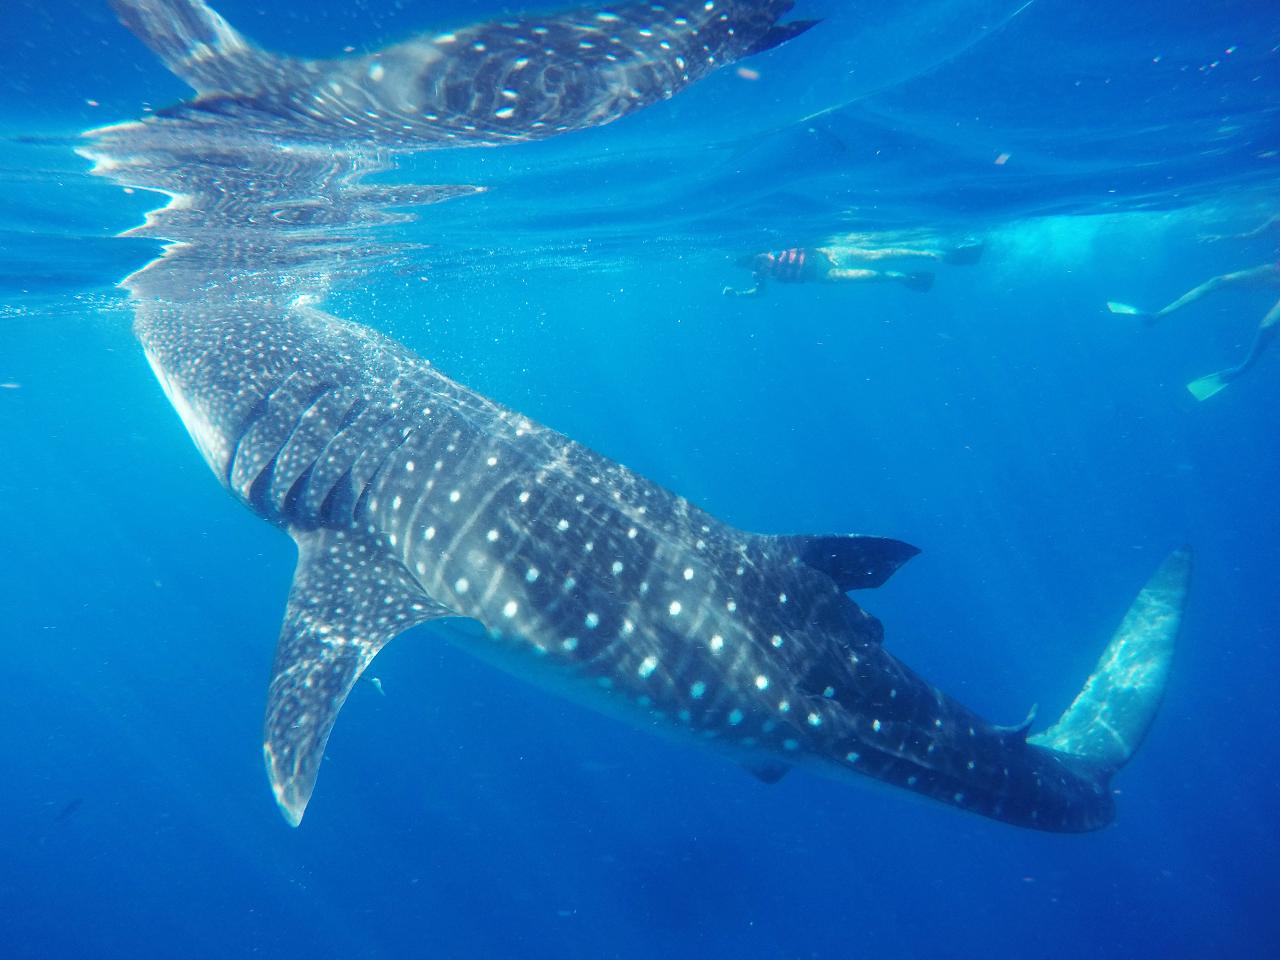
[1125,310]
[1208,386]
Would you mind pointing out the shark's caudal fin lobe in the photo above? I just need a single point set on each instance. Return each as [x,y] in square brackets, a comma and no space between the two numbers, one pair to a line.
[853,562]
[193,40]
[346,603]
[1111,715]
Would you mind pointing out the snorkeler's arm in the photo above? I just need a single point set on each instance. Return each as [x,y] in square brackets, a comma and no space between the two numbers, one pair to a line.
[1271,223]
[855,275]
[920,282]
[844,255]
[757,288]
[1272,319]
[752,292]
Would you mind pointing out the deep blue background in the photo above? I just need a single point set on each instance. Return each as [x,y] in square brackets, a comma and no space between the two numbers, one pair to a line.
[1043,453]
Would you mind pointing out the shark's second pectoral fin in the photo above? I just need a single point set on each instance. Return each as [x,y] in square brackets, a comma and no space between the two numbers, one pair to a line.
[347,601]
[853,562]
[780,34]
[768,771]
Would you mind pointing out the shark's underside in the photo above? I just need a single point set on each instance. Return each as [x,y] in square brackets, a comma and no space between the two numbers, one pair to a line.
[412,498]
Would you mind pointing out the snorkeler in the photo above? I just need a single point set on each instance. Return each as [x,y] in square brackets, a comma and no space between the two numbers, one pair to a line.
[1266,276]
[818,265]
[837,263]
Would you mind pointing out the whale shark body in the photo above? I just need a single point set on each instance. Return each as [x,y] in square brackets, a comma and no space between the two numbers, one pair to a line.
[414,499]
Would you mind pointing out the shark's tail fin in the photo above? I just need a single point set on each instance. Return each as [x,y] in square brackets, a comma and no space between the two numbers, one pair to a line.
[1110,716]
[194,42]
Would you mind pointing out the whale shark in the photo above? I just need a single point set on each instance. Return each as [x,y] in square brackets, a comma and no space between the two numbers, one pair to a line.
[413,499]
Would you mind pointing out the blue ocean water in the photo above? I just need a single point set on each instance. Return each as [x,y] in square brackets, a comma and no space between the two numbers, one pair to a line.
[1043,453]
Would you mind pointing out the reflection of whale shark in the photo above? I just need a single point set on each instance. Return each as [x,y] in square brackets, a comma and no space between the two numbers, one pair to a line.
[413,499]
[517,79]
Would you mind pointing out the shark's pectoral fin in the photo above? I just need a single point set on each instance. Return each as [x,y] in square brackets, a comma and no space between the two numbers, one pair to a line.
[853,562]
[346,603]
[767,771]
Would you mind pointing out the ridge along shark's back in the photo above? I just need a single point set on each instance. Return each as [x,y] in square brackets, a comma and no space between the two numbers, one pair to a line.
[413,499]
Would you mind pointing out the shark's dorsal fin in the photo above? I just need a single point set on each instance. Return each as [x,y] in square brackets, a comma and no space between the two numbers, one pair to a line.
[347,601]
[853,562]
[196,43]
